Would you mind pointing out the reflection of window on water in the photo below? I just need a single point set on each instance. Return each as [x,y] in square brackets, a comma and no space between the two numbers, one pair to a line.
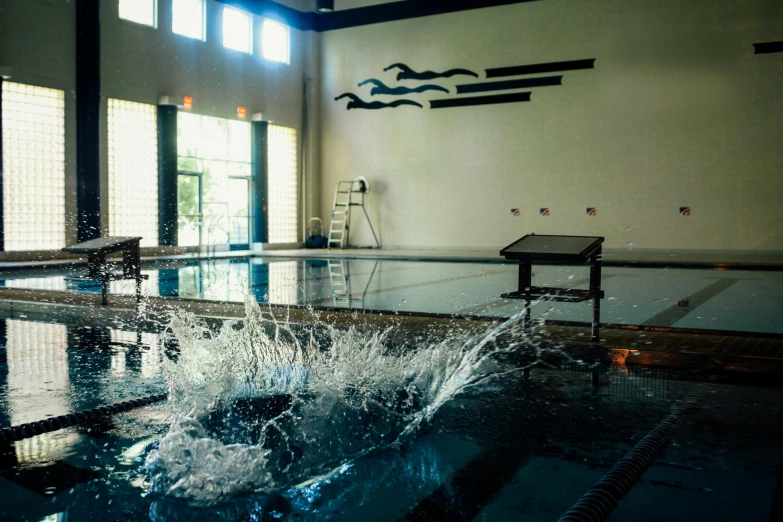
[37,367]
[213,186]
[133,170]
[149,286]
[34,167]
[218,281]
[38,283]
[283,282]
[148,353]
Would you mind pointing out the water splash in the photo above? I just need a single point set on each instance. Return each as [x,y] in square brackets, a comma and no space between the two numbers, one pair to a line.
[260,407]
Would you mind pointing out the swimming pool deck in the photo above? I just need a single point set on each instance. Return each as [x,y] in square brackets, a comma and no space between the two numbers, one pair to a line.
[759,260]
[744,259]
[757,356]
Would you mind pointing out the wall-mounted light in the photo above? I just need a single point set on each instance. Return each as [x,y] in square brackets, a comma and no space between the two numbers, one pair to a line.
[242,111]
[187,102]
[324,6]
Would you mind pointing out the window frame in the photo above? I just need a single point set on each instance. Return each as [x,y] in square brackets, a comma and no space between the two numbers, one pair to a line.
[249,15]
[203,37]
[287,29]
[155,16]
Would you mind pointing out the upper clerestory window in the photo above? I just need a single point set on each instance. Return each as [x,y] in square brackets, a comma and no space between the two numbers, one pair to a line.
[140,11]
[275,41]
[237,30]
[188,18]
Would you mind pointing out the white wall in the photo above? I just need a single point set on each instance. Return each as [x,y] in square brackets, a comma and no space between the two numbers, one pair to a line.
[677,112]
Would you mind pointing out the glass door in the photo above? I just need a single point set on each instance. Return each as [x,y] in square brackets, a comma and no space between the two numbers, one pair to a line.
[189,209]
[238,212]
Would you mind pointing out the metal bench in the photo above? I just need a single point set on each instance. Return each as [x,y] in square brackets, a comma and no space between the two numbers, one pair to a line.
[99,249]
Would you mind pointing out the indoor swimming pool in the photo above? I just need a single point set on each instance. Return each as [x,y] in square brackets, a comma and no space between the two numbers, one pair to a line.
[307,422]
[689,298]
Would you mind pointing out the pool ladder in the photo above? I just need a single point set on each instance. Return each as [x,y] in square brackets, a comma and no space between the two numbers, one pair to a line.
[340,277]
[348,194]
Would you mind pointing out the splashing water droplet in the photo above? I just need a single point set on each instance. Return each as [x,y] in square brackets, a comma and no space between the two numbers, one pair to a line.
[263,406]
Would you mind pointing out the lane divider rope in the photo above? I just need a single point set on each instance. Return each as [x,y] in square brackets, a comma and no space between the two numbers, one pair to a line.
[599,502]
[31,429]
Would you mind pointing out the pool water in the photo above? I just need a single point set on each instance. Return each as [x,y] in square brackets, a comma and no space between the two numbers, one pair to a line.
[511,446]
[731,300]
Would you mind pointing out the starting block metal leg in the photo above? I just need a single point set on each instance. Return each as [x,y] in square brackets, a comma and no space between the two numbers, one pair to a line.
[104,291]
[595,289]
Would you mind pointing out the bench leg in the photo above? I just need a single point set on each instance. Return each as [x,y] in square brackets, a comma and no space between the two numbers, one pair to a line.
[104,297]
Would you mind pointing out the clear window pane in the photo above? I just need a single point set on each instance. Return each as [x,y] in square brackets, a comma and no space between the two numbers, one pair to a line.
[34,167]
[188,210]
[139,11]
[237,33]
[275,41]
[283,200]
[133,170]
[238,211]
[188,18]
[218,150]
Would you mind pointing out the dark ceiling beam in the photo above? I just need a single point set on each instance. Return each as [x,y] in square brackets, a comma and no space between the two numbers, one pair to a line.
[302,20]
[373,14]
[394,11]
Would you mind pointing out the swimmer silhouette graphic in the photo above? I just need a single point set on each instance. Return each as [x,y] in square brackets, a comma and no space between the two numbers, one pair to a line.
[382,88]
[406,73]
[358,103]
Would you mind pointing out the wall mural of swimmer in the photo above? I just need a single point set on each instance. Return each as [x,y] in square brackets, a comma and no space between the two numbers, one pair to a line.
[358,103]
[506,84]
[382,88]
[406,73]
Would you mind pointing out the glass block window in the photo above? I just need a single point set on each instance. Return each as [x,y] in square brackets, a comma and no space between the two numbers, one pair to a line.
[237,30]
[275,41]
[133,170]
[283,282]
[140,11]
[34,163]
[283,200]
[188,18]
